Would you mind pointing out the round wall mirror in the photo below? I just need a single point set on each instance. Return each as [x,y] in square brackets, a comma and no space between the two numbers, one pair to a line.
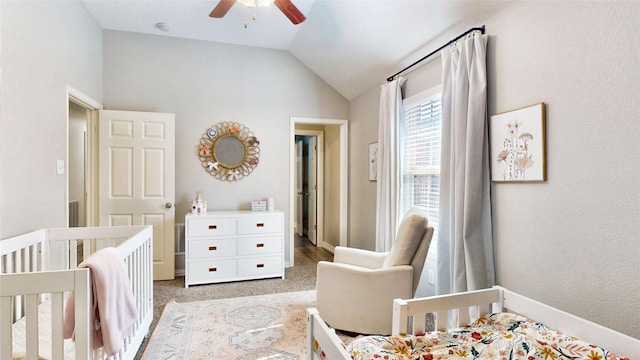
[229,151]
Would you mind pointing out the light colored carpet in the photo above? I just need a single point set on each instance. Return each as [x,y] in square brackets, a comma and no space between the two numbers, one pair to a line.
[252,327]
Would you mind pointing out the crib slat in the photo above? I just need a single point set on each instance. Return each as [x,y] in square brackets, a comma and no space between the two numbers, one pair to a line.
[73,253]
[26,259]
[36,258]
[442,320]
[33,343]
[57,309]
[484,310]
[5,328]
[83,325]
[463,316]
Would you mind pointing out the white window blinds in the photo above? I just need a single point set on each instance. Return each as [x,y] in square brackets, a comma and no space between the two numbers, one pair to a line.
[421,167]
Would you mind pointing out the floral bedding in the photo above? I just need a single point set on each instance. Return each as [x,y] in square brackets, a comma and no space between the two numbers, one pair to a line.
[498,336]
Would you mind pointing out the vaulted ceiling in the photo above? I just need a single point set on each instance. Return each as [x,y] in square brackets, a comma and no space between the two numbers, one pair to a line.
[354,45]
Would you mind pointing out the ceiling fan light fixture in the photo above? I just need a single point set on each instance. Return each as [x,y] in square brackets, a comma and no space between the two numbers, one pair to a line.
[256,3]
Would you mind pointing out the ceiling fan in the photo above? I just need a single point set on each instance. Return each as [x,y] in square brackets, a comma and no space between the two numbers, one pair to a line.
[286,6]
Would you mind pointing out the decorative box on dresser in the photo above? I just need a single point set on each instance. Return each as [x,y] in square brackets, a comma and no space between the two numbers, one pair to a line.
[233,245]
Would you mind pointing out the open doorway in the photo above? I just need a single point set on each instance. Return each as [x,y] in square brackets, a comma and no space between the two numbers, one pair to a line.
[81,159]
[328,196]
[77,165]
[309,203]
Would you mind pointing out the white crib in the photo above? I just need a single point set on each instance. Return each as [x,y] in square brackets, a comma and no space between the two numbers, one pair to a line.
[39,269]
[455,310]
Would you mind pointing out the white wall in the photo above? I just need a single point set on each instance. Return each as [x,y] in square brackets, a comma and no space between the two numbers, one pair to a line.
[204,83]
[45,46]
[363,130]
[573,241]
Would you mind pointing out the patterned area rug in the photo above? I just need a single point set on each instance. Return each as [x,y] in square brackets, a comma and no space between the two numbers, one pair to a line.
[246,328]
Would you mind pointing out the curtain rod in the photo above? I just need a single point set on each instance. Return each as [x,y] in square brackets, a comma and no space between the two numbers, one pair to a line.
[481,29]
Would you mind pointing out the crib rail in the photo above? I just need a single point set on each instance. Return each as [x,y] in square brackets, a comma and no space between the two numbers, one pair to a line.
[450,311]
[45,255]
[30,286]
[318,332]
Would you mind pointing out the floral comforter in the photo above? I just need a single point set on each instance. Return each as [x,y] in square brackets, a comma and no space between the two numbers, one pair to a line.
[498,336]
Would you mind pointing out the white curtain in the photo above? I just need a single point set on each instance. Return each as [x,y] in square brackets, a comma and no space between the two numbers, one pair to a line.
[465,245]
[389,156]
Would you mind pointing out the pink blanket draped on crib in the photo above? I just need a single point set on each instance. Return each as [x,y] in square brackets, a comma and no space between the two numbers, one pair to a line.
[113,302]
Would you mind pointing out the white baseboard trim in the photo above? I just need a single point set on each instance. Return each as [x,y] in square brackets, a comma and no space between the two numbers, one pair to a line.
[329,247]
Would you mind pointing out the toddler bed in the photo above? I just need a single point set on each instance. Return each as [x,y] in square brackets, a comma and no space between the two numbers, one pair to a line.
[38,271]
[491,323]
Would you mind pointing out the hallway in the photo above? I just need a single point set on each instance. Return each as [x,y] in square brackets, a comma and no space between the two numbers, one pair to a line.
[308,254]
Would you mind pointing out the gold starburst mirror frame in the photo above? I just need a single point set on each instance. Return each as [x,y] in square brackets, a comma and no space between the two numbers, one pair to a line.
[229,151]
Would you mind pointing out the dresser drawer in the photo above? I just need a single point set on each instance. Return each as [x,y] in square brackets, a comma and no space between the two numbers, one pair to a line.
[260,245]
[260,265]
[259,225]
[212,226]
[212,270]
[199,249]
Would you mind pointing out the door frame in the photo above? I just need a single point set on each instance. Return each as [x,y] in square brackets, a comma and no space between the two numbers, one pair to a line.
[343,175]
[91,162]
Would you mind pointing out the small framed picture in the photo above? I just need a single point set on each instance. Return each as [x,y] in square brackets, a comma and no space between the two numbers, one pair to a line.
[518,145]
[373,161]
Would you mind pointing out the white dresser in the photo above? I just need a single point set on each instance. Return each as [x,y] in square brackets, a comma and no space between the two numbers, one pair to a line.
[233,245]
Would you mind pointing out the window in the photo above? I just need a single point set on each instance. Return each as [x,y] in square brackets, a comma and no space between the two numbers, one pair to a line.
[421,167]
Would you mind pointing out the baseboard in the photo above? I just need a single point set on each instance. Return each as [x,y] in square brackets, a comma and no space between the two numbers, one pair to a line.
[329,247]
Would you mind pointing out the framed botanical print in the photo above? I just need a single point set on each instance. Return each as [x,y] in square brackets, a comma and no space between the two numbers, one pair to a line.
[373,161]
[518,145]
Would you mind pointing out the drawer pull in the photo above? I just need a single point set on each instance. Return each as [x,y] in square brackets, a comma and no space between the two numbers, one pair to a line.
[260,225]
[260,265]
[213,227]
[213,248]
[213,269]
[260,245]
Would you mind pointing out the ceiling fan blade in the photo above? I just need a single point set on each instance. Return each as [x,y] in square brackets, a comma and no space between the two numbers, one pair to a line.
[221,9]
[290,11]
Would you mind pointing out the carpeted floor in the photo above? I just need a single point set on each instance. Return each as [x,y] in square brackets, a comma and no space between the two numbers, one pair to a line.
[297,278]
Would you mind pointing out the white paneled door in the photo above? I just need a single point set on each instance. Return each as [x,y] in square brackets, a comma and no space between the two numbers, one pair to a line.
[312,223]
[136,178]
[299,191]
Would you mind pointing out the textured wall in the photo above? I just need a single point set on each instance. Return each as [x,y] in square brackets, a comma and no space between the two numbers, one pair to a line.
[573,241]
[43,51]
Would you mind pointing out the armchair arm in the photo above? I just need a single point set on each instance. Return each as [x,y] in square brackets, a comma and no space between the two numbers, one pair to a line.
[359,257]
[358,299]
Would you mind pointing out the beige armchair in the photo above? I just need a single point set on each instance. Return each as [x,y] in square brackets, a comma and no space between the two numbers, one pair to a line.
[355,292]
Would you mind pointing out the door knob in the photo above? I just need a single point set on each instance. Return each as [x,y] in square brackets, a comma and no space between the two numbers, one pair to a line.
[168,205]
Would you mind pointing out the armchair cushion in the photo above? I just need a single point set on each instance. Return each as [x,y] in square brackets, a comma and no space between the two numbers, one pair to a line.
[410,234]
[359,257]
